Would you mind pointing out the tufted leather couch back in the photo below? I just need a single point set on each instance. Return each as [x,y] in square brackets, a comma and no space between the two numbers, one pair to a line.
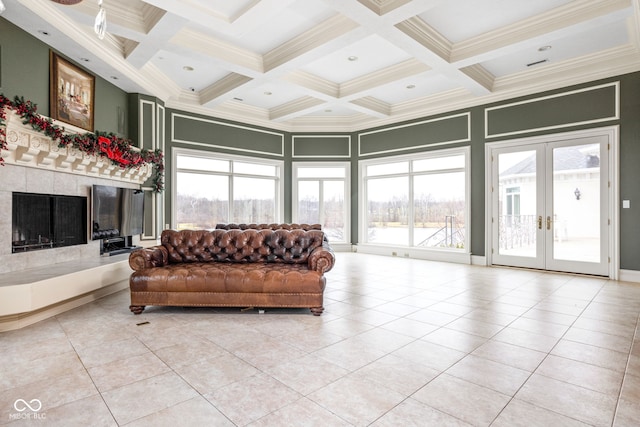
[251,245]
[285,226]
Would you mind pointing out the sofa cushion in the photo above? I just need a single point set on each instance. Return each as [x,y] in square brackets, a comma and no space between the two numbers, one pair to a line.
[287,246]
[228,277]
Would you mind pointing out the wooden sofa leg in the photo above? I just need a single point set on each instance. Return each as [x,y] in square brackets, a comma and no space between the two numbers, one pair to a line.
[137,309]
[317,311]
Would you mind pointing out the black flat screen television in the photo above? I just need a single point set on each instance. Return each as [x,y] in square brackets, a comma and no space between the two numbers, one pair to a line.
[116,212]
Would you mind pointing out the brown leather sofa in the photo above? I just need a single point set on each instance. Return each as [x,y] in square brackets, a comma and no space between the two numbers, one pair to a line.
[258,268]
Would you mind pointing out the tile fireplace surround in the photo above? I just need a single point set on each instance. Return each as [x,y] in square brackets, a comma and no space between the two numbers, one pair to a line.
[34,164]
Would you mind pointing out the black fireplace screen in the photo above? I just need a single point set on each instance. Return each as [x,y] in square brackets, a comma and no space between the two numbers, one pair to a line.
[42,221]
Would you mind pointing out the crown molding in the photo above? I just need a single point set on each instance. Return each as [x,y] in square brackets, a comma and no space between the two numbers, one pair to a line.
[427,36]
[389,74]
[318,36]
[224,85]
[295,107]
[192,39]
[314,83]
[557,19]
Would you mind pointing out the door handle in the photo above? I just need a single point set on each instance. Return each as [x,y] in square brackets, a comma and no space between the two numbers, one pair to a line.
[540,222]
[548,223]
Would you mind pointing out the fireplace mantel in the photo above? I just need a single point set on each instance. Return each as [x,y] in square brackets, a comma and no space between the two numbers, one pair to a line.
[30,148]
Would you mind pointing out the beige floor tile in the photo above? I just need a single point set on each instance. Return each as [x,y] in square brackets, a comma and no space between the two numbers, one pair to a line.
[599,339]
[509,354]
[530,340]
[412,413]
[487,315]
[142,398]
[383,339]
[456,340]
[570,400]
[372,317]
[307,374]
[302,412]
[252,398]
[22,372]
[189,353]
[611,328]
[432,317]
[51,392]
[461,399]
[193,412]
[598,356]
[475,327]
[550,317]
[496,376]
[411,328]
[111,351]
[126,371]
[78,413]
[582,374]
[358,401]
[268,353]
[523,414]
[394,373]
[628,412]
[212,374]
[539,327]
[429,354]
[350,354]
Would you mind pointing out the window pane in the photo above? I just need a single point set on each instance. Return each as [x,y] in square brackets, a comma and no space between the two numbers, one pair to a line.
[201,200]
[439,207]
[308,202]
[254,200]
[388,169]
[320,172]
[254,169]
[334,217]
[439,163]
[387,207]
[202,164]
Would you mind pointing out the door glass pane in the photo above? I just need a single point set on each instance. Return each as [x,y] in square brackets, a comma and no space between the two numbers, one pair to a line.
[387,209]
[254,200]
[517,211]
[202,200]
[334,216]
[576,203]
[439,205]
[308,202]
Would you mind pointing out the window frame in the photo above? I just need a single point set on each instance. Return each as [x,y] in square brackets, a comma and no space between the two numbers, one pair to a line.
[434,154]
[279,181]
[295,166]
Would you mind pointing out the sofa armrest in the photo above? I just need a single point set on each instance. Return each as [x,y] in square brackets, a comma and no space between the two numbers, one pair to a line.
[155,256]
[322,258]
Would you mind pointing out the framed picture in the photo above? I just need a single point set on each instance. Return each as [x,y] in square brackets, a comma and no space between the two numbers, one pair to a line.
[71,93]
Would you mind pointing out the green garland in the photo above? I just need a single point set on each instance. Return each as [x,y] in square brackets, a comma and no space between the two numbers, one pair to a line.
[118,150]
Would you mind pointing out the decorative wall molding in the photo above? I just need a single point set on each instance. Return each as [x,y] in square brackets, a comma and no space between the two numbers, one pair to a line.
[27,147]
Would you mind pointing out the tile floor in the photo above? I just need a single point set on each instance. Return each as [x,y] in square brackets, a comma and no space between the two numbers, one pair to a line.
[402,343]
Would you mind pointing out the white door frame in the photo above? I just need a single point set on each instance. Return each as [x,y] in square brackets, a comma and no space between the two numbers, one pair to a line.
[612,132]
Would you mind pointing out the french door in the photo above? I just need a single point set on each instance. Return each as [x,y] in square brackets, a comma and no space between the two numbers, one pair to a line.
[550,204]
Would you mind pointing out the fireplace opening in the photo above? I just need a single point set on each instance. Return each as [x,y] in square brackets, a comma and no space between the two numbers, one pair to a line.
[44,221]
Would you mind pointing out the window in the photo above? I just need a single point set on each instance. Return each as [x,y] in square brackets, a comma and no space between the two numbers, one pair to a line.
[321,196]
[416,201]
[214,188]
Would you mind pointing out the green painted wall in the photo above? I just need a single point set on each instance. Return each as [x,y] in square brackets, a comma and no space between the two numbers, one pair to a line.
[24,71]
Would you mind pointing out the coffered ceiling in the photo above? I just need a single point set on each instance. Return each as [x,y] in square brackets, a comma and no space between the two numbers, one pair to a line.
[339,65]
